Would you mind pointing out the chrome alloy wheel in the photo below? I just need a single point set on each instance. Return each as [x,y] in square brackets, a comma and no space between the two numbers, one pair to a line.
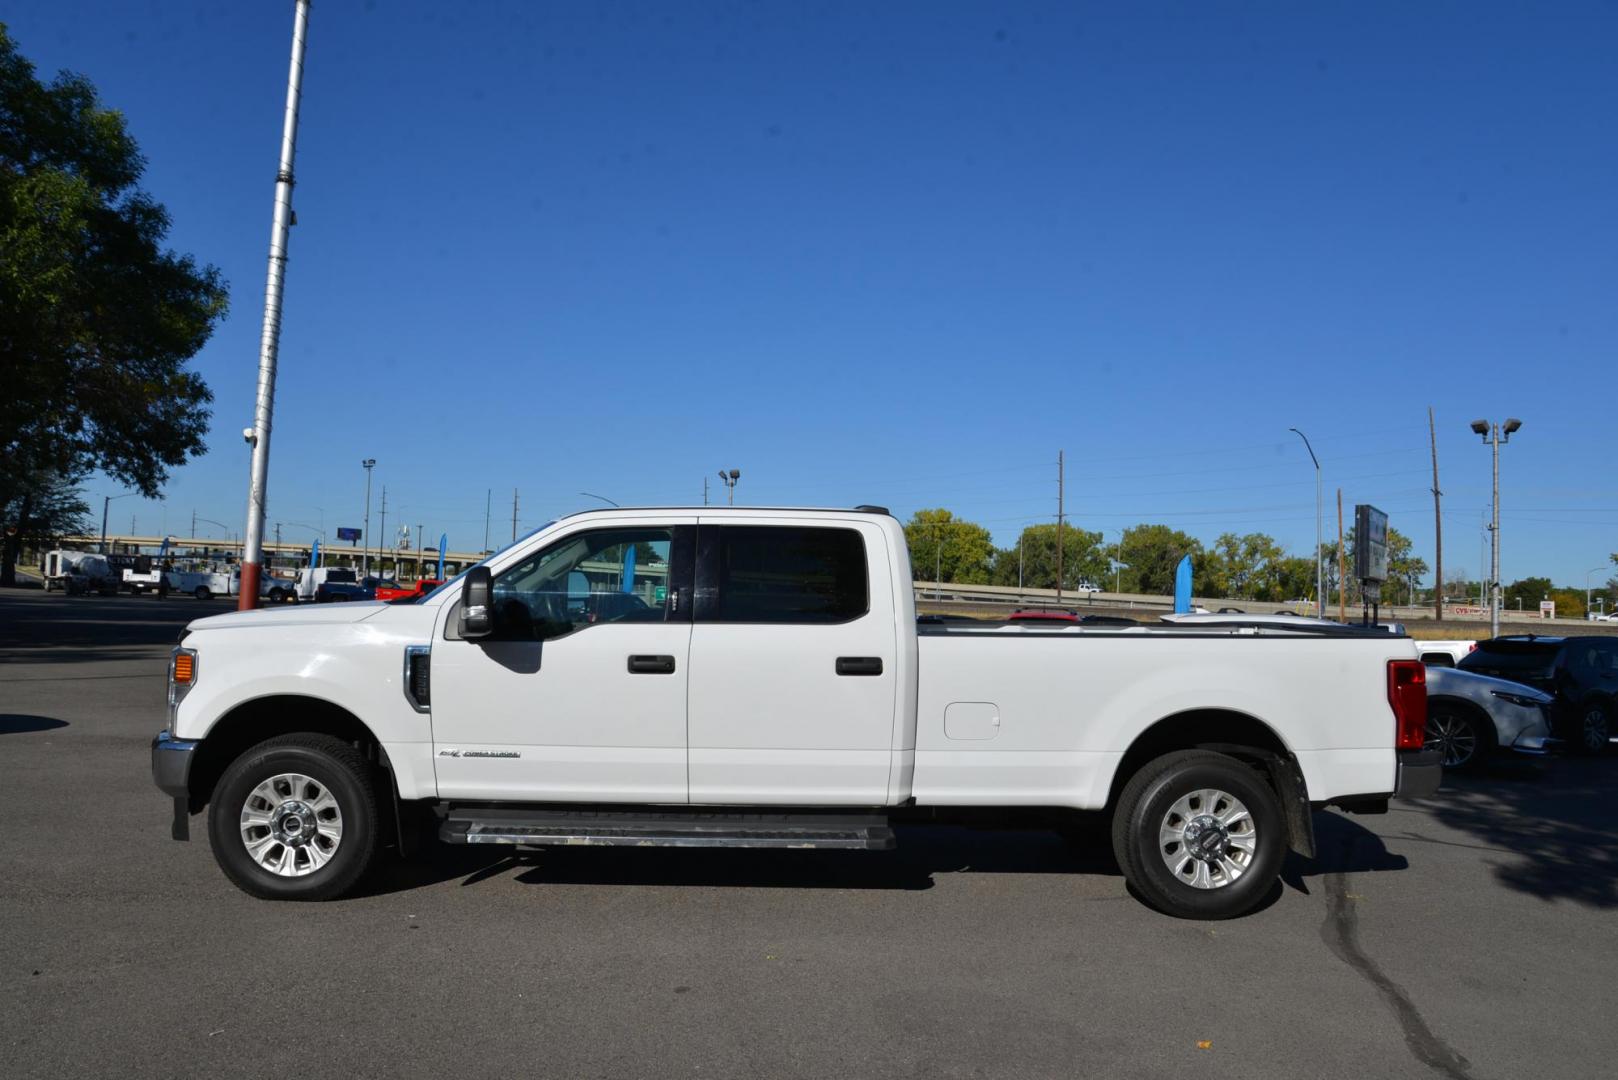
[1208,839]
[1454,736]
[291,825]
[1595,730]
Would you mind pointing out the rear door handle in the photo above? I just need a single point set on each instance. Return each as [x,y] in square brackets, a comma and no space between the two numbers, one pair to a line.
[859,665]
[651,665]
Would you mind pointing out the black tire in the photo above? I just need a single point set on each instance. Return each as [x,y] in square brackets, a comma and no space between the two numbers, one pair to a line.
[332,764]
[1143,807]
[201,592]
[1592,728]
[1466,738]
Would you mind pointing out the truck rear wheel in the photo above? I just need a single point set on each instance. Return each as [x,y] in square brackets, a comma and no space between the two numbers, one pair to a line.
[202,592]
[1199,835]
[295,818]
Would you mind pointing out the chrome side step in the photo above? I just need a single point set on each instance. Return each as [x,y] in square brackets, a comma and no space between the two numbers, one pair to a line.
[586,828]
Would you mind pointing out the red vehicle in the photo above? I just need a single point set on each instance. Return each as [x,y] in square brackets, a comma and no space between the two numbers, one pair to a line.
[395,593]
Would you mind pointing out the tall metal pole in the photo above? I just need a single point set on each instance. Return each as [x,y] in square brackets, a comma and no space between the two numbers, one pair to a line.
[488,504]
[1060,491]
[1494,545]
[1438,525]
[1320,564]
[382,536]
[1342,567]
[365,537]
[270,338]
[106,500]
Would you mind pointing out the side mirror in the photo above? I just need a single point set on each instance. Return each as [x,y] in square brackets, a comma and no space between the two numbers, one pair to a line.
[477,604]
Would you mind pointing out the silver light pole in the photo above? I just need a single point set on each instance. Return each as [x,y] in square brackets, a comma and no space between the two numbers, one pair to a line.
[1587,573]
[1320,568]
[365,537]
[270,340]
[1494,435]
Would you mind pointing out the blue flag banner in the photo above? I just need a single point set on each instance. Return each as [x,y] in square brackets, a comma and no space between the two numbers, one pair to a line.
[443,538]
[629,569]
[314,554]
[1182,585]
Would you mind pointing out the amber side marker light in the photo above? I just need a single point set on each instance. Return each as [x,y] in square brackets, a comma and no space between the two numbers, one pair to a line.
[185,668]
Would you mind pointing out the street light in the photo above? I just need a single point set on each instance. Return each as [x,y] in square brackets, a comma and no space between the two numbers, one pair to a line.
[365,553]
[106,500]
[1493,437]
[1587,573]
[729,479]
[1320,568]
[593,495]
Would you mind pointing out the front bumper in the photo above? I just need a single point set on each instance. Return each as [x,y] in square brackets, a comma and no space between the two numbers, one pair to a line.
[171,772]
[1420,772]
[171,764]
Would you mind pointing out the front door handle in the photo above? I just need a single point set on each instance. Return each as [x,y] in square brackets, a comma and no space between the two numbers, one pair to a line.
[859,665]
[651,665]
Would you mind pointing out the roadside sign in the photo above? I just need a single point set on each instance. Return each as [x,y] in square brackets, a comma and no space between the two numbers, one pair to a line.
[344,533]
[1547,609]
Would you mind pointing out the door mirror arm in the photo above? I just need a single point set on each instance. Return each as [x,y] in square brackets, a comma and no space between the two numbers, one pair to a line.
[476,620]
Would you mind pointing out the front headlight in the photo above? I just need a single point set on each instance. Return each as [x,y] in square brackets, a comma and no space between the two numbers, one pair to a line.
[1527,701]
[182,677]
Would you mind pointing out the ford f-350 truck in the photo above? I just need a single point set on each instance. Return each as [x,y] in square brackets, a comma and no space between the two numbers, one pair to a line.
[758,678]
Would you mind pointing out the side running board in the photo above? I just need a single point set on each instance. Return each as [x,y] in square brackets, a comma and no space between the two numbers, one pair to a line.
[650,828]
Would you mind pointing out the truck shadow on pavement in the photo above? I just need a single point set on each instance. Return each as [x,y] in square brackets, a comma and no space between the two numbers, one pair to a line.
[1545,828]
[17,723]
[923,853]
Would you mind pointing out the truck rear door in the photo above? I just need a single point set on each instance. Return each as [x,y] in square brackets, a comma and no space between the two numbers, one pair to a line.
[793,663]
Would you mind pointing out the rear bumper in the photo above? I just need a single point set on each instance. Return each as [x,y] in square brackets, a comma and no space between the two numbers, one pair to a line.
[1420,772]
[171,764]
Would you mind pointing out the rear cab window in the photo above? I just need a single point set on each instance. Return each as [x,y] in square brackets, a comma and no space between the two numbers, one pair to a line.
[781,574]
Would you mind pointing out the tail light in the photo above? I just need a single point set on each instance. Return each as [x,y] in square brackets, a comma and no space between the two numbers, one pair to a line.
[1407,694]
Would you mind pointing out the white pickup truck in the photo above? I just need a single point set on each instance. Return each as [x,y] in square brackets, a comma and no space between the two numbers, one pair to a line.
[759,678]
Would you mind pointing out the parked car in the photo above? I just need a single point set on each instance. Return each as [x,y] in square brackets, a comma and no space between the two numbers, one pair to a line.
[610,680]
[1445,653]
[395,593]
[1580,672]
[1470,716]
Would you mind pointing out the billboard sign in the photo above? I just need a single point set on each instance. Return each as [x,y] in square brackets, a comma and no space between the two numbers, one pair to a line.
[344,533]
[1370,544]
[1547,609]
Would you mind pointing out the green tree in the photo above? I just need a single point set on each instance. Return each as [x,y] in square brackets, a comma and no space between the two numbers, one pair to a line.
[1569,603]
[1405,569]
[97,318]
[1083,559]
[940,543]
[1527,593]
[43,508]
[1152,552]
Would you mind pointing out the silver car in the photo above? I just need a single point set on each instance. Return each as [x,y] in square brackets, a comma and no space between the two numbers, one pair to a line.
[1471,716]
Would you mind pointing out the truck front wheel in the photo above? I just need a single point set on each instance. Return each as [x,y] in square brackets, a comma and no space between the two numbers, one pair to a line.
[1199,835]
[295,818]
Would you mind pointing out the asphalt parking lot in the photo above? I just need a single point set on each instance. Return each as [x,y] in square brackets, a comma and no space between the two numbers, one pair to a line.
[1470,935]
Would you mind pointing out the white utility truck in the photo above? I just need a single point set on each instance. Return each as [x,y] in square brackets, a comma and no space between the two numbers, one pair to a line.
[758,678]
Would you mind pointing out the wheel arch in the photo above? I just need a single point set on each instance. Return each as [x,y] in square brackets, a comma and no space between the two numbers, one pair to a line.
[1239,735]
[251,722]
[1486,726]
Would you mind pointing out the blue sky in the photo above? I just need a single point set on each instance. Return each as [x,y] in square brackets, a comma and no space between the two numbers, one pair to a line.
[899,253]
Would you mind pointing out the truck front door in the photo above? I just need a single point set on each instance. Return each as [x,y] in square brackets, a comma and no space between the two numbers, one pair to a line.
[793,664]
[580,695]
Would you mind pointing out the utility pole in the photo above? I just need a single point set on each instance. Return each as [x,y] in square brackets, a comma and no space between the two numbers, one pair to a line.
[270,338]
[513,515]
[488,503]
[1060,492]
[704,491]
[1019,559]
[365,553]
[1438,525]
[1342,565]
[418,553]
[382,533]
[193,523]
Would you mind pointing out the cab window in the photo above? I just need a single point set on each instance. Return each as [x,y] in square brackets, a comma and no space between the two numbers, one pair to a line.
[585,579]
